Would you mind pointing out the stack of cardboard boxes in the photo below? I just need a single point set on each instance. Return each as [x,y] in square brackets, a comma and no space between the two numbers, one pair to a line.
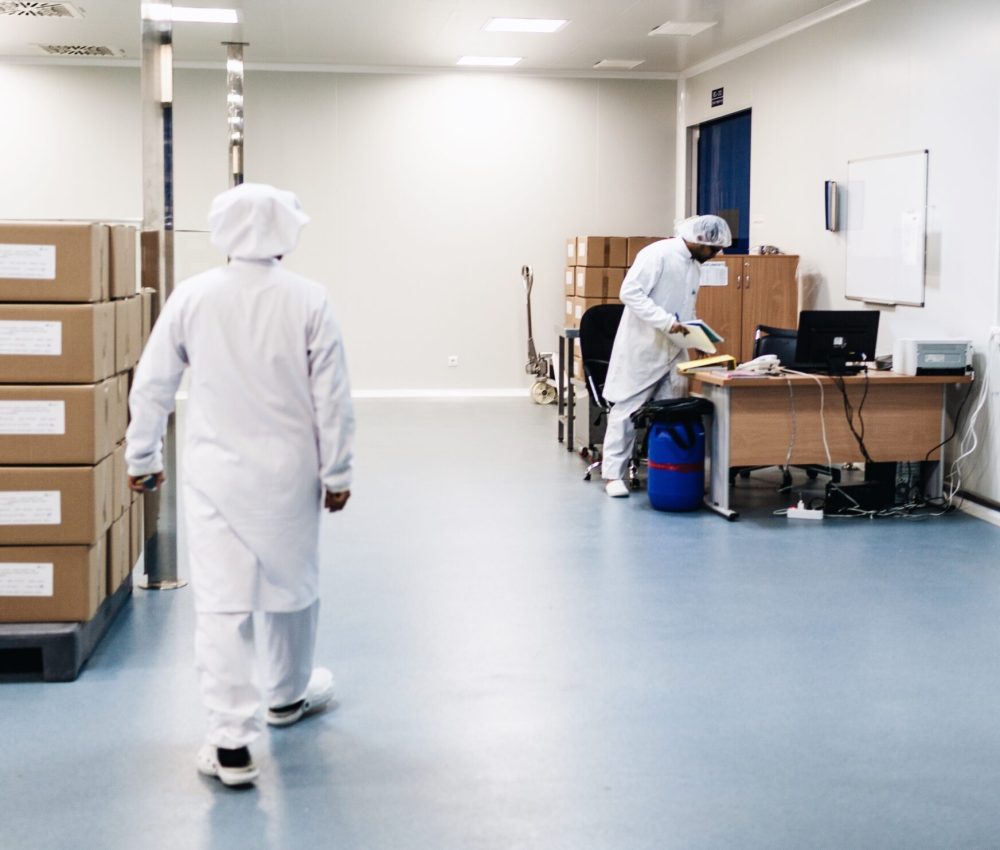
[72,326]
[595,269]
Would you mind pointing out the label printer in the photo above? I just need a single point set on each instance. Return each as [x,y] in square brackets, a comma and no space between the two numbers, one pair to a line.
[932,356]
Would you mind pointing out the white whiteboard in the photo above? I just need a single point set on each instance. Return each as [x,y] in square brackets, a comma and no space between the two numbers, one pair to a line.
[886,228]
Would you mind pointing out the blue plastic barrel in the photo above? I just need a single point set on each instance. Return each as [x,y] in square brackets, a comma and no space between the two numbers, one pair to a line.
[676,465]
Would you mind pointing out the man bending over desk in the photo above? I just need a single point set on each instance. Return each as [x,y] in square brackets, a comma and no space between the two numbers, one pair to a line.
[659,292]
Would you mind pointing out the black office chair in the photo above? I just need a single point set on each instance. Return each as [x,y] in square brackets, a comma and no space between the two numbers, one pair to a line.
[781,342]
[778,341]
[598,326]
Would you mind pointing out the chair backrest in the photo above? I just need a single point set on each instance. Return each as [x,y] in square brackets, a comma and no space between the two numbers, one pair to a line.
[598,326]
[779,341]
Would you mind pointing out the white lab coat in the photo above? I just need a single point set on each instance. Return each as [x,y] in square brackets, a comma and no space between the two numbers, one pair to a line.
[269,427]
[659,289]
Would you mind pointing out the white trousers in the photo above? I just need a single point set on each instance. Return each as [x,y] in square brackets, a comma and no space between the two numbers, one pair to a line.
[619,436]
[226,660]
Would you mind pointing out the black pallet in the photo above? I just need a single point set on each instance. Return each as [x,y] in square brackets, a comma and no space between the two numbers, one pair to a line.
[63,648]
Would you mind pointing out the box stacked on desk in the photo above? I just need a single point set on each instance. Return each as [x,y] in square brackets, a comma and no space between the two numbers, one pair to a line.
[71,324]
[596,268]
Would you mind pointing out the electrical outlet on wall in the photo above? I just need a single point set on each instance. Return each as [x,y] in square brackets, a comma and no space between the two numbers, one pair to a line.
[452,359]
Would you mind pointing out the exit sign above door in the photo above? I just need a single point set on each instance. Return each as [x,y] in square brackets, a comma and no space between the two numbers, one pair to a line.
[717,97]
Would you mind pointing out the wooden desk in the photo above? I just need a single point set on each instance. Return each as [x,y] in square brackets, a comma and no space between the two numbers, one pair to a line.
[904,418]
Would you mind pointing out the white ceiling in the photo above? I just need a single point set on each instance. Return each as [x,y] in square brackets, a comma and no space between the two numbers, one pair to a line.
[426,34]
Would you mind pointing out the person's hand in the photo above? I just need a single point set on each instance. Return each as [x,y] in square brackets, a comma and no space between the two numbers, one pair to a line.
[335,501]
[678,328]
[145,483]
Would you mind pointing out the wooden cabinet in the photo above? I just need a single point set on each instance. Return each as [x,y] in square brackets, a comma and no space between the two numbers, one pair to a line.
[759,290]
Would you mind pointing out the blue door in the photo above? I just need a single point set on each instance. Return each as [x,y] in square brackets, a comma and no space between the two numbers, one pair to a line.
[724,175]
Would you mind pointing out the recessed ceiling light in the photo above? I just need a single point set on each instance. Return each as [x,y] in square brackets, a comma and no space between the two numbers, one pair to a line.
[188,14]
[682,28]
[525,24]
[489,61]
[618,64]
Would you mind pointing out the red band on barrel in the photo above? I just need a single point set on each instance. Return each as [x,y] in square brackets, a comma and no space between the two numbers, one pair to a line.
[678,467]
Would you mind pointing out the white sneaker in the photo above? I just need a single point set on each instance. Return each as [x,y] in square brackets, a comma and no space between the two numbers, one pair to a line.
[616,488]
[208,765]
[319,693]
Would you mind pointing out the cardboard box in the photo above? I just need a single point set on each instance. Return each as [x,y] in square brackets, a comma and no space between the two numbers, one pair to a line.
[116,553]
[49,505]
[128,332]
[53,262]
[122,283]
[577,306]
[56,343]
[121,497]
[636,244]
[150,258]
[599,283]
[570,287]
[571,251]
[45,584]
[601,251]
[59,424]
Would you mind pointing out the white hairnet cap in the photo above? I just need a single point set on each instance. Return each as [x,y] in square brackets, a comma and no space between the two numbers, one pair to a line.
[254,221]
[706,230]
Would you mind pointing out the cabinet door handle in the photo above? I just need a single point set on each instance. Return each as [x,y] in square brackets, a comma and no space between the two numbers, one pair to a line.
[747,285]
[739,281]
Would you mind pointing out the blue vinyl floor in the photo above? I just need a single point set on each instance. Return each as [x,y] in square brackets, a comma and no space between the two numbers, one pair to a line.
[525,663]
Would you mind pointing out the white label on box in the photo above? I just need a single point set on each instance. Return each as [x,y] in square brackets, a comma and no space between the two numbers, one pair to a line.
[714,274]
[569,308]
[569,277]
[579,311]
[32,338]
[571,250]
[581,279]
[30,507]
[26,579]
[32,417]
[581,249]
[28,262]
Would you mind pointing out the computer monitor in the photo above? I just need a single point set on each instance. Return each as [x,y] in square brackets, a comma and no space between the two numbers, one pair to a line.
[831,340]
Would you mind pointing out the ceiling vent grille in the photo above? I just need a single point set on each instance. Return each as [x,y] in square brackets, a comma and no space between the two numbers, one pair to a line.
[31,9]
[80,50]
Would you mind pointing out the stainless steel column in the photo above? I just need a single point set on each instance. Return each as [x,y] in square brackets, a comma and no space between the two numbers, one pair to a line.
[234,103]
[158,236]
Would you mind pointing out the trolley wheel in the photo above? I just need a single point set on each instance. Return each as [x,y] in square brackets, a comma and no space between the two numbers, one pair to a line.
[585,453]
[586,477]
[542,392]
[634,484]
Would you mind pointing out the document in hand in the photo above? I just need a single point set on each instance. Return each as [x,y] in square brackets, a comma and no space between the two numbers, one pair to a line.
[699,336]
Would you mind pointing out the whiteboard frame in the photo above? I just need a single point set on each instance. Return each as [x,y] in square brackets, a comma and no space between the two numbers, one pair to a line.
[894,229]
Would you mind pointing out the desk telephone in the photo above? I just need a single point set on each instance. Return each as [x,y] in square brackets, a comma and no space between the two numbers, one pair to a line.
[766,364]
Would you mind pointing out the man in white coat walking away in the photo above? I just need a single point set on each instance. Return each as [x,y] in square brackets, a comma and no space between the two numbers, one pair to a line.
[269,439]
[659,292]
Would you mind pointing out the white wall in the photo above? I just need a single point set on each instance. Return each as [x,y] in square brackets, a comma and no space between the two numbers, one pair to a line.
[427,192]
[888,77]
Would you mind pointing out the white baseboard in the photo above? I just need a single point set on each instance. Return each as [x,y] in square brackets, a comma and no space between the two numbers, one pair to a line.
[980,511]
[499,392]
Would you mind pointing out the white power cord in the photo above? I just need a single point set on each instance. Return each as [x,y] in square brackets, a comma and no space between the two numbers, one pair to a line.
[822,411]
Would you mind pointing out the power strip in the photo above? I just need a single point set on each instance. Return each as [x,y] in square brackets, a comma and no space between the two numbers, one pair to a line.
[800,511]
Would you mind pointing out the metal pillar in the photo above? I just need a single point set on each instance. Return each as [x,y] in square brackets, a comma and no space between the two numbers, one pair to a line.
[158,236]
[234,103]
